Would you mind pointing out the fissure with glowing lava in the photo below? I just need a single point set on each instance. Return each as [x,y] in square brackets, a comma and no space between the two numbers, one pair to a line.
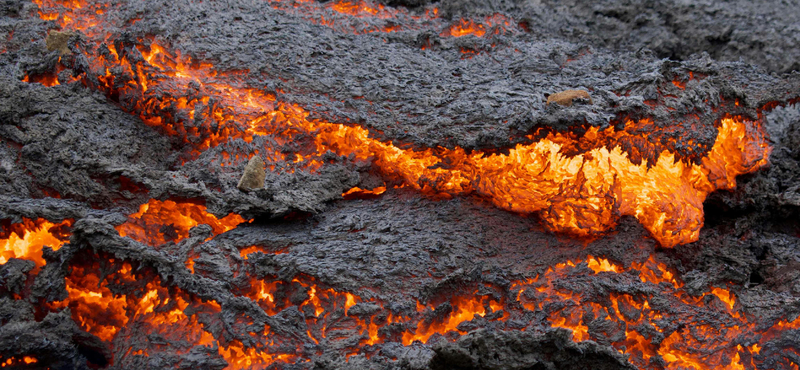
[583,194]
[162,309]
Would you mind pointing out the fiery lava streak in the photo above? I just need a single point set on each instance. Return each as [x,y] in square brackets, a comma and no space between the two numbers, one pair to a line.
[582,194]
[346,16]
[152,310]
[658,328]
[25,240]
[158,222]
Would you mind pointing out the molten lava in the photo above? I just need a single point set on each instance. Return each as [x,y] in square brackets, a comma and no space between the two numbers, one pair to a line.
[464,28]
[149,309]
[158,222]
[25,240]
[582,194]
[578,184]
[637,316]
[26,360]
[357,192]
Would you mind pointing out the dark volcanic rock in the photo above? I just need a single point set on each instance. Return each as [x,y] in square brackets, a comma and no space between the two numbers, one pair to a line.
[71,152]
[524,350]
[763,32]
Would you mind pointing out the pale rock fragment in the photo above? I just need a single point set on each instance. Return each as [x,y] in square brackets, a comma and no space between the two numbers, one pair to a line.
[253,176]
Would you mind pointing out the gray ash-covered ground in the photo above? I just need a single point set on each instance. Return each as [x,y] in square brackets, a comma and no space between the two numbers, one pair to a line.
[79,150]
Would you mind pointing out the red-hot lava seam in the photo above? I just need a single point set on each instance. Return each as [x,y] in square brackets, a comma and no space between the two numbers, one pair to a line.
[358,17]
[583,194]
[389,19]
[160,221]
[730,342]
[602,184]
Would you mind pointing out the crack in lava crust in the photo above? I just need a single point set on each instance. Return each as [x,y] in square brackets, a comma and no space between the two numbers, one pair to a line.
[582,194]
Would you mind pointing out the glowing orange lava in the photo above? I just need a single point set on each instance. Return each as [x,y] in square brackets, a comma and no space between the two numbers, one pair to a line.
[463,28]
[362,8]
[25,240]
[160,221]
[582,194]
[357,192]
[698,346]
[155,309]
[12,361]
[464,309]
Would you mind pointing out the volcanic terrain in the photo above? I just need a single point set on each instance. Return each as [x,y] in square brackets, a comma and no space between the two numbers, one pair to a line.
[399,184]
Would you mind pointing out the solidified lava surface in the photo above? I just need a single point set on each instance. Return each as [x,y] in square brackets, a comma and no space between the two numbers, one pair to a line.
[432,198]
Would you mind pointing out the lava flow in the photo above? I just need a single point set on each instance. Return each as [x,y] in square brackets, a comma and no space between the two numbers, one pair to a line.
[638,322]
[583,194]
[173,285]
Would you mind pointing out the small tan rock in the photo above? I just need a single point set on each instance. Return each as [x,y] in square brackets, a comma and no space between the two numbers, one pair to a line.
[254,175]
[565,98]
[59,41]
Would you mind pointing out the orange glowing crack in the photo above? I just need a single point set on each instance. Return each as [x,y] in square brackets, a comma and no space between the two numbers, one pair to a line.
[463,28]
[329,15]
[356,192]
[362,9]
[160,221]
[582,194]
[25,240]
[464,309]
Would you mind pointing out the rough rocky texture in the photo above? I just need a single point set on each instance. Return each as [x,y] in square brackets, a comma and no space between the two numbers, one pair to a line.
[761,33]
[503,350]
[72,142]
